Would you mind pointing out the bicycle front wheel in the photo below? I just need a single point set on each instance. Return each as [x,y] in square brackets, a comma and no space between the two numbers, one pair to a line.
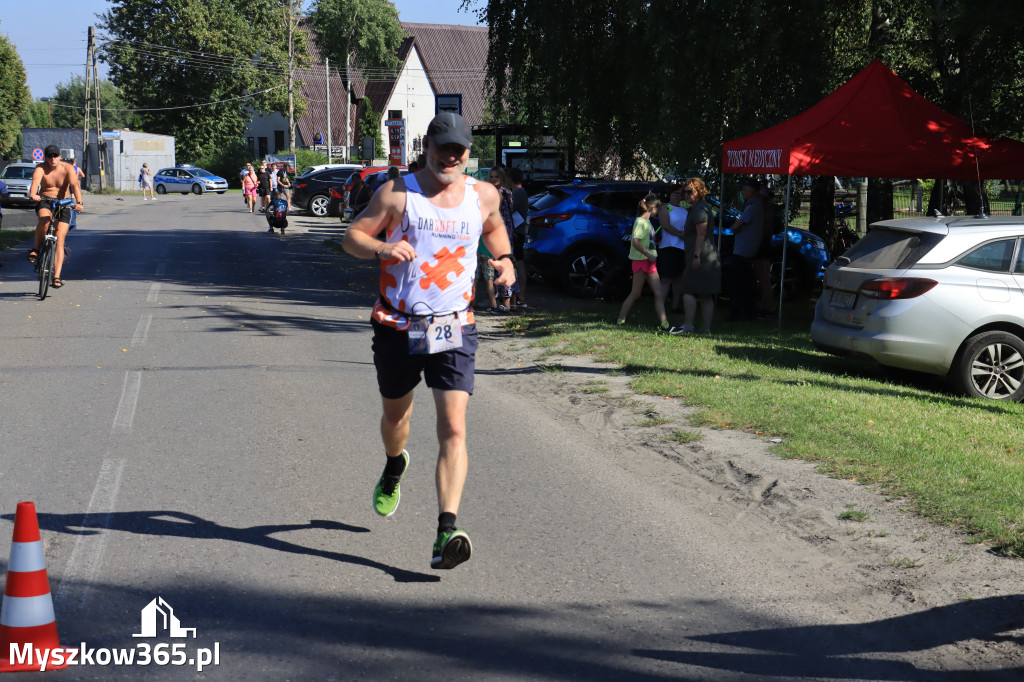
[45,269]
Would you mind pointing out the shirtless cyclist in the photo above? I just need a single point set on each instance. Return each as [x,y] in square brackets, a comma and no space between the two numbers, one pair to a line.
[53,179]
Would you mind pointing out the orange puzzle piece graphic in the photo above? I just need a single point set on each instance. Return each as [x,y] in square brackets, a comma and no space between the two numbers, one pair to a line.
[447,264]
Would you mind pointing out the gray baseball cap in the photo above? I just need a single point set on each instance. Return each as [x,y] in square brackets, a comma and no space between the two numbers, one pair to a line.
[447,128]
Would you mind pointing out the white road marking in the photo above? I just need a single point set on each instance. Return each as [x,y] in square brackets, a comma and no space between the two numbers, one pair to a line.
[129,398]
[88,551]
[142,330]
[154,291]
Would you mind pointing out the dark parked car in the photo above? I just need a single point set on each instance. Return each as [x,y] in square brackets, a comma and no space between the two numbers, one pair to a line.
[313,192]
[373,177]
[578,237]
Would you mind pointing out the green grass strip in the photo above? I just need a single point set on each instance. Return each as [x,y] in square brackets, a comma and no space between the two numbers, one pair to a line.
[957,461]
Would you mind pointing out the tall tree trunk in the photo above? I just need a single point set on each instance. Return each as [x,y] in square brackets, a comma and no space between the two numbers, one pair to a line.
[823,209]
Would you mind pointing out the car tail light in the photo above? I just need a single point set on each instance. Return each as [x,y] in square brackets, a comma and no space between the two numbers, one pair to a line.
[892,288]
[335,194]
[301,185]
[550,219]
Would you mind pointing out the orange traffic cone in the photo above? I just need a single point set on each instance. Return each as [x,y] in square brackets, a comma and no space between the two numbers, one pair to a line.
[26,618]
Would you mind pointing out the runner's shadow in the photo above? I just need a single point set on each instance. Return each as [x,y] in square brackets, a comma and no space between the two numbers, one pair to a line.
[182,525]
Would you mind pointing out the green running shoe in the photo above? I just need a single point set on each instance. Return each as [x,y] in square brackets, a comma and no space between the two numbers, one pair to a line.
[388,492]
[451,548]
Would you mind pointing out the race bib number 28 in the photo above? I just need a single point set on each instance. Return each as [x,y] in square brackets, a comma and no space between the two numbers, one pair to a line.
[435,335]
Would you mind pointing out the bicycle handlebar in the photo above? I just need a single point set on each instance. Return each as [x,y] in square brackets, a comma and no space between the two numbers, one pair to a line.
[67,201]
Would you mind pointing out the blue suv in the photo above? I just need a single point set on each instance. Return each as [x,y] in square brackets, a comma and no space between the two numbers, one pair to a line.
[578,237]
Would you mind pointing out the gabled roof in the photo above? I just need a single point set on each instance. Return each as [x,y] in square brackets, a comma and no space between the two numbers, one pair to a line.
[454,57]
[875,125]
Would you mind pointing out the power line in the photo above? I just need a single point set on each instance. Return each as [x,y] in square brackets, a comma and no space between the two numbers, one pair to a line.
[184,106]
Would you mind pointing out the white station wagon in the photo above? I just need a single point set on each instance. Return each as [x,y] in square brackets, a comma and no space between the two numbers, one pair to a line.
[940,295]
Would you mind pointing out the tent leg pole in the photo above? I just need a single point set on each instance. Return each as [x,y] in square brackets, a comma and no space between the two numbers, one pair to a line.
[721,211]
[785,245]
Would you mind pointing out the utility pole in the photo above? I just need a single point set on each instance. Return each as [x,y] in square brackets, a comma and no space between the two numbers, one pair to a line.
[101,146]
[85,124]
[291,81]
[348,100]
[327,82]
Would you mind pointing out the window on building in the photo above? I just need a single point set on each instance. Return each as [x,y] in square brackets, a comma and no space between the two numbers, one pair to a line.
[278,141]
[263,147]
[395,113]
[251,145]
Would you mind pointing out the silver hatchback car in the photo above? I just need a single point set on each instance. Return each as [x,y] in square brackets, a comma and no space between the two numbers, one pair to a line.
[938,295]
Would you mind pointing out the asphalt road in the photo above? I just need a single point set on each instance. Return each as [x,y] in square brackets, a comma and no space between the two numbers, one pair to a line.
[195,417]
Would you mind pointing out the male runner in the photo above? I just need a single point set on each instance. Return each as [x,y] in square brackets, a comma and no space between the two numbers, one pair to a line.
[423,321]
[55,180]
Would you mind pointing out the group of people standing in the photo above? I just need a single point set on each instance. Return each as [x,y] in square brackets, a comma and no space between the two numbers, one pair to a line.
[514,206]
[264,184]
[686,266]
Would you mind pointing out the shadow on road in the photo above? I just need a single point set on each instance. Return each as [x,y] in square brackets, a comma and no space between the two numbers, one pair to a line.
[182,525]
[840,651]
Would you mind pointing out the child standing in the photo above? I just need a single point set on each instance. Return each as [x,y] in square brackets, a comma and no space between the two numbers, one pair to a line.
[644,258]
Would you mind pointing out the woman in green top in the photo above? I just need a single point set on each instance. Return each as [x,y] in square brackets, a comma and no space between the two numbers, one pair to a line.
[644,259]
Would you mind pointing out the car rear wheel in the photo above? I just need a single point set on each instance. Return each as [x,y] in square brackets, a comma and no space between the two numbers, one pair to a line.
[586,272]
[160,189]
[318,205]
[991,365]
[197,189]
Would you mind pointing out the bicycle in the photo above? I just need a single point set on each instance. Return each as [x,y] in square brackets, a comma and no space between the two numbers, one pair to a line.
[47,250]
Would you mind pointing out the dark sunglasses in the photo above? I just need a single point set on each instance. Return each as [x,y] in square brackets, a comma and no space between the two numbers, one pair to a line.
[53,156]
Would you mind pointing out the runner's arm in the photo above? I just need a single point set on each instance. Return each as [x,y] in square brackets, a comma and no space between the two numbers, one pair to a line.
[384,212]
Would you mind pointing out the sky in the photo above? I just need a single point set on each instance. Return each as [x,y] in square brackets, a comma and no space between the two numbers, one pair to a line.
[69,21]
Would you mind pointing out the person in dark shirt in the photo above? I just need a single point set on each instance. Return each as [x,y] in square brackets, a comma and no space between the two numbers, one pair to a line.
[360,196]
[263,189]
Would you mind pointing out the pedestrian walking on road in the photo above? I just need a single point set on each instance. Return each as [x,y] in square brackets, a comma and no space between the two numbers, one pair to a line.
[284,184]
[422,321]
[250,187]
[146,175]
[263,186]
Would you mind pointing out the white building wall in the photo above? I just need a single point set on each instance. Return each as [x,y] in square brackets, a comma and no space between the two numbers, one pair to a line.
[130,149]
[414,97]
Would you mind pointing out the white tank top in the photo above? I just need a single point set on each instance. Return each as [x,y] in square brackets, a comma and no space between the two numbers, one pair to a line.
[440,279]
[677,217]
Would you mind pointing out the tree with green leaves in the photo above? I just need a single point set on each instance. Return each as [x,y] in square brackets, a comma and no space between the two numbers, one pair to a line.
[364,32]
[197,69]
[14,95]
[369,127]
[68,105]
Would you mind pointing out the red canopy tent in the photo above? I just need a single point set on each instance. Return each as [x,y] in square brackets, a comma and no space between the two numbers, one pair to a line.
[874,125]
